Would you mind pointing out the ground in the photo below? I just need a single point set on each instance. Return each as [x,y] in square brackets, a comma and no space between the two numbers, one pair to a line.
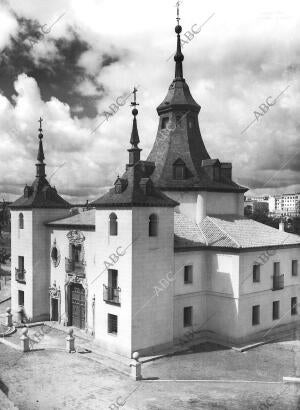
[53,379]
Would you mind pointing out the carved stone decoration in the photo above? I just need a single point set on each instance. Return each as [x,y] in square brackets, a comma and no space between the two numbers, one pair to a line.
[69,279]
[55,293]
[55,254]
[75,237]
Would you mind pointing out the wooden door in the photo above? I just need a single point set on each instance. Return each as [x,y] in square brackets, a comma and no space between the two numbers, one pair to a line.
[54,313]
[77,306]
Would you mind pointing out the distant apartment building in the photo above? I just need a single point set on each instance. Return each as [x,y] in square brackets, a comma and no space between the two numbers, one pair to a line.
[277,205]
[256,203]
[285,204]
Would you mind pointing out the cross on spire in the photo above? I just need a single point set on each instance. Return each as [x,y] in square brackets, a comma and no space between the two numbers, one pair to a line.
[40,156]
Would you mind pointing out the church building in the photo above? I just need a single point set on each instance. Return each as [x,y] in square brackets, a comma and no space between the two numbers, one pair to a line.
[166,251]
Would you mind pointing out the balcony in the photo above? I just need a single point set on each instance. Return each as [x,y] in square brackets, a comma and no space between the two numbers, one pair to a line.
[20,275]
[278,282]
[111,295]
[74,267]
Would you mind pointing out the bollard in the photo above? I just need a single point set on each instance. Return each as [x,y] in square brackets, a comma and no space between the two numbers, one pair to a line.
[25,340]
[70,341]
[8,316]
[20,314]
[136,367]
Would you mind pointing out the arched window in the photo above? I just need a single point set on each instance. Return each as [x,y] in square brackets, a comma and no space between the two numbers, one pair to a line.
[21,221]
[153,225]
[113,225]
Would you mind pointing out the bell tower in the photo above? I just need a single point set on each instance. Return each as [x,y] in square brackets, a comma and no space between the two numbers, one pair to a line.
[30,241]
[183,167]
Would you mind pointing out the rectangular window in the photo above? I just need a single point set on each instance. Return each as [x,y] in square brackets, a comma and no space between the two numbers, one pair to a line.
[276,268]
[276,310]
[294,309]
[112,323]
[188,274]
[294,268]
[112,278]
[21,262]
[21,297]
[256,273]
[187,316]
[255,315]
[164,123]
[179,172]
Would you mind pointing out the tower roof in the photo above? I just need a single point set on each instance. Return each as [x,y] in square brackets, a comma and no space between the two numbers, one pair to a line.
[135,187]
[180,156]
[40,194]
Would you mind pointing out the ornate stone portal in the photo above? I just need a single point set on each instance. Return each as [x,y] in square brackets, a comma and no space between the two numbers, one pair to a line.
[69,280]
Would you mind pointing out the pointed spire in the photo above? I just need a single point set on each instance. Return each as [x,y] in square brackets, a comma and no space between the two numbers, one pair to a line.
[178,56]
[134,140]
[134,151]
[40,166]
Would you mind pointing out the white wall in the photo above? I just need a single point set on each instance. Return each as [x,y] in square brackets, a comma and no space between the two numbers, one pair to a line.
[262,294]
[152,279]
[33,242]
[105,246]
[21,245]
[213,294]
[196,205]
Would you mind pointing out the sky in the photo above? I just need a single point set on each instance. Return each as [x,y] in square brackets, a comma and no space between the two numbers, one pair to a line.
[68,61]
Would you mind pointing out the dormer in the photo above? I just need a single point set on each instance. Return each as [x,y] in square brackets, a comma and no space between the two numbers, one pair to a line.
[120,185]
[179,169]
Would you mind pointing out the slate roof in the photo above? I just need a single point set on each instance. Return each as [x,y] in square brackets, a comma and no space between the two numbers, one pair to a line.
[137,190]
[183,141]
[40,195]
[83,219]
[229,231]
[179,97]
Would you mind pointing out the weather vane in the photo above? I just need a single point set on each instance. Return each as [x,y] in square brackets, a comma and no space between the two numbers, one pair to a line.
[177,5]
[134,93]
[40,121]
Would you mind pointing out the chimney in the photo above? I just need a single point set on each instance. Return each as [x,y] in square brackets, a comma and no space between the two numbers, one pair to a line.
[281,226]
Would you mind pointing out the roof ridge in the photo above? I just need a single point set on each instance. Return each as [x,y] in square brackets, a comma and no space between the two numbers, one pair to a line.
[226,233]
[203,234]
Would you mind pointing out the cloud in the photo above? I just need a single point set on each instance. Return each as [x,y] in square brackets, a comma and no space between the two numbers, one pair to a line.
[242,55]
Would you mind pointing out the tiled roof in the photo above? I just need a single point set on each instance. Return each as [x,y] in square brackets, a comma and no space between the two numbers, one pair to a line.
[226,231]
[40,195]
[187,232]
[229,231]
[240,232]
[86,218]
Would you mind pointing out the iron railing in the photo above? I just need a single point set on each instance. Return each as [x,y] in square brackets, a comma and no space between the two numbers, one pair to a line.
[111,294]
[20,275]
[72,266]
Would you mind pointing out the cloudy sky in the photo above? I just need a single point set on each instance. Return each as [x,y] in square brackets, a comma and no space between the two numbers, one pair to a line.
[69,60]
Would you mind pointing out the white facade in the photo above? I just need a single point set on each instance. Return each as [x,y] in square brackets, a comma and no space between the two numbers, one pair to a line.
[153,295]
[32,243]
